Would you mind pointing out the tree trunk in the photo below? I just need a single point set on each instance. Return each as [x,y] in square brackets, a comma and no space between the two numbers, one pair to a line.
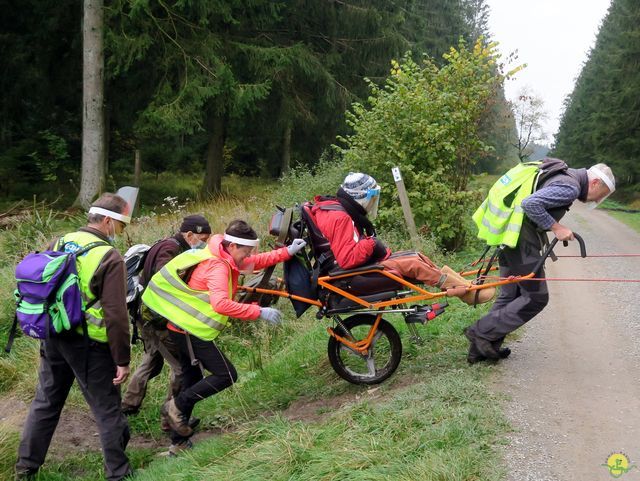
[137,168]
[93,141]
[286,149]
[215,156]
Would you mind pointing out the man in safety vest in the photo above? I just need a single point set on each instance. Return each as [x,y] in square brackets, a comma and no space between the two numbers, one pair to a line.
[199,308]
[518,219]
[99,367]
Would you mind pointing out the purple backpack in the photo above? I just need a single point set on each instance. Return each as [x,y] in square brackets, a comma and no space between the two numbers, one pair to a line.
[48,297]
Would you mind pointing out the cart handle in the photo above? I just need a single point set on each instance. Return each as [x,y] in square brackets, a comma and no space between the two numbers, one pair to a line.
[547,252]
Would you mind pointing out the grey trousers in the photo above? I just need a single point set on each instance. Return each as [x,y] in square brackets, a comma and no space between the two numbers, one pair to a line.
[517,303]
[158,347]
[62,360]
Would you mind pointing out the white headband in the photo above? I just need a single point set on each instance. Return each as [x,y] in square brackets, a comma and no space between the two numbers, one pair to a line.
[108,213]
[241,241]
[604,177]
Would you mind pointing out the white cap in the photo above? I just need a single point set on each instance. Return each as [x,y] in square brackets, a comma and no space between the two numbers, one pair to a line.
[604,173]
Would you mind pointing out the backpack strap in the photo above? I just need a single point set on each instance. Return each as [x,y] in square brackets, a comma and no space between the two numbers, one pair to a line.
[12,334]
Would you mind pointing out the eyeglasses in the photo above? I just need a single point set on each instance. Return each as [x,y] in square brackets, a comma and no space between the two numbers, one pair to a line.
[121,224]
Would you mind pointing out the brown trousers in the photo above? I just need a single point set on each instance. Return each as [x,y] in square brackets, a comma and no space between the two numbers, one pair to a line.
[413,265]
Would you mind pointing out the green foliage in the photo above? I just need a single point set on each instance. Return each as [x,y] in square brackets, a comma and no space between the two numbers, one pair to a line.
[425,120]
[601,121]
[276,75]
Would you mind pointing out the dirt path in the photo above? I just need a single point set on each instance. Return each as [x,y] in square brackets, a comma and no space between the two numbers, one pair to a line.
[573,377]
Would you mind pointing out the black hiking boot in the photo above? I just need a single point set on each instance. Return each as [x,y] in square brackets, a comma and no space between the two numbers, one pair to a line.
[480,347]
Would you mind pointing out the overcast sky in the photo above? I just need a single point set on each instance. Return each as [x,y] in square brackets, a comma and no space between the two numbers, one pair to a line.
[553,37]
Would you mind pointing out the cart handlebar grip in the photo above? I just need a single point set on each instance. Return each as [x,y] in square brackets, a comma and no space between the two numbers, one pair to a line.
[552,244]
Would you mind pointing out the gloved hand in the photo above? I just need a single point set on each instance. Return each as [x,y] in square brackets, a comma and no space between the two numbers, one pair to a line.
[296,246]
[271,315]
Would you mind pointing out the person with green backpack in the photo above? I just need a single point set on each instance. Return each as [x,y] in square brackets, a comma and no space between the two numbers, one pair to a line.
[96,356]
[521,207]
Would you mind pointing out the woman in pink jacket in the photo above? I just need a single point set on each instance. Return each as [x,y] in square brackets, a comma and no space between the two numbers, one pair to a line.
[234,252]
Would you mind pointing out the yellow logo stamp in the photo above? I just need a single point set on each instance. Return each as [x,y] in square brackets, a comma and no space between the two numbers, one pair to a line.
[618,464]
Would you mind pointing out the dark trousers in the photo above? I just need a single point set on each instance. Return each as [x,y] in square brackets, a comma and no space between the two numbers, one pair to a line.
[158,347]
[517,303]
[195,387]
[61,361]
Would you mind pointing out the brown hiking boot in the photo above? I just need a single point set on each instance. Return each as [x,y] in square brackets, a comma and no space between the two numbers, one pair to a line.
[166,427]
[454,280]
[177,420]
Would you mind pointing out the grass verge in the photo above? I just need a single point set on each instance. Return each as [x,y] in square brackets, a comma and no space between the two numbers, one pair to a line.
[435,419]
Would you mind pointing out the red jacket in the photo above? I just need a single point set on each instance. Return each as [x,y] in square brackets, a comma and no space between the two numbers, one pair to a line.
[349,246]
[213,275]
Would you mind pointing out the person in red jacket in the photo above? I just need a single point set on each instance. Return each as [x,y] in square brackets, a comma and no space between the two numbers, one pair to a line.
[234,252]
[345,221]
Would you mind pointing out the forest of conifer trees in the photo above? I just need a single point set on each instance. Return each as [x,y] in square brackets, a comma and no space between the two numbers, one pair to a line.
[216,86]
[601,122]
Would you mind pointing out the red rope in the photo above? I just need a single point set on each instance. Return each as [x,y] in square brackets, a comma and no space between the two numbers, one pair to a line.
[570,279]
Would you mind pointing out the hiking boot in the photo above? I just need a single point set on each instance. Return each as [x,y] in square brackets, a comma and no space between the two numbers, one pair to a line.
[481,345]
[455,282]
[177,448]
[474,356]
[176,418]
[25,473]
[166,427]
[128,410]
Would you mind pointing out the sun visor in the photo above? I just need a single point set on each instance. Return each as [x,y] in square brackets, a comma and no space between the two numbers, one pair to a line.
[130,195]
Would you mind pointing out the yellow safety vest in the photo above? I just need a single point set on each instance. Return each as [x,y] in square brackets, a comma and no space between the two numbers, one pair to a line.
[87,264]
[499,218]
[170,297]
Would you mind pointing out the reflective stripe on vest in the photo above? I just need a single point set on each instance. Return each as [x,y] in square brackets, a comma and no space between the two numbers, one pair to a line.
[500,223]
[87,264]
[170,297]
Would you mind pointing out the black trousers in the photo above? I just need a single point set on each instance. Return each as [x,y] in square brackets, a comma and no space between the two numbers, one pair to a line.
[61,361]
[195,387]
[517,303]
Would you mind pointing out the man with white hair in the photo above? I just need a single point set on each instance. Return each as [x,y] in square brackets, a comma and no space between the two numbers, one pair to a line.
[556,189]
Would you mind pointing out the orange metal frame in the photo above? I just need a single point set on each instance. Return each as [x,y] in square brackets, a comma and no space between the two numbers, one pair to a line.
[363,345]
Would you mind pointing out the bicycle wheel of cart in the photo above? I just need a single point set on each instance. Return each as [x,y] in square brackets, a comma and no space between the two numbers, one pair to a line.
[376,364]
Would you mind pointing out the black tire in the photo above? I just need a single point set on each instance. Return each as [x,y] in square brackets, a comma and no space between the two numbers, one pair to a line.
[382,359]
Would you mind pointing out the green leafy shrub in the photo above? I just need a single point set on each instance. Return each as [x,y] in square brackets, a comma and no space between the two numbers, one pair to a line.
[425,120]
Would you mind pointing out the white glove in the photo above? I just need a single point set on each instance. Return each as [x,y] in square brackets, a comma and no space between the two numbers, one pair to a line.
[296,246]
[271,315]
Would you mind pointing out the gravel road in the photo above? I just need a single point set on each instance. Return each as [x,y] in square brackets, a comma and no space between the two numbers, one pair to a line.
[572,380]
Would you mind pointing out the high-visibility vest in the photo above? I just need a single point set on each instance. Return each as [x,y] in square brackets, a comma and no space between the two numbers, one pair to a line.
[87,264]
[499,218]
[170,297]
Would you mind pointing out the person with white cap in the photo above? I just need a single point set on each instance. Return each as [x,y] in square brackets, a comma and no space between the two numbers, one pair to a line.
[345,220]
[199,308]
[100,364]
[558,187]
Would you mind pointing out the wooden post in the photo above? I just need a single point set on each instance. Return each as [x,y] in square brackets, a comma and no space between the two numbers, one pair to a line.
[137,169]
[406,207]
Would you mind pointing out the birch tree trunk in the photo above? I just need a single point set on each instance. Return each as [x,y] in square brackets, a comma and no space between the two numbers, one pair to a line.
[93,139]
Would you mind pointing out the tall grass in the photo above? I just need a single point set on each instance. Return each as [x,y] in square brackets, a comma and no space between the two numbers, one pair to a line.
[434,419]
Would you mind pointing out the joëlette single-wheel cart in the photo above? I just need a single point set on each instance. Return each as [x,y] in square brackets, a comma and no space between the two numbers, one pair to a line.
[364,347]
